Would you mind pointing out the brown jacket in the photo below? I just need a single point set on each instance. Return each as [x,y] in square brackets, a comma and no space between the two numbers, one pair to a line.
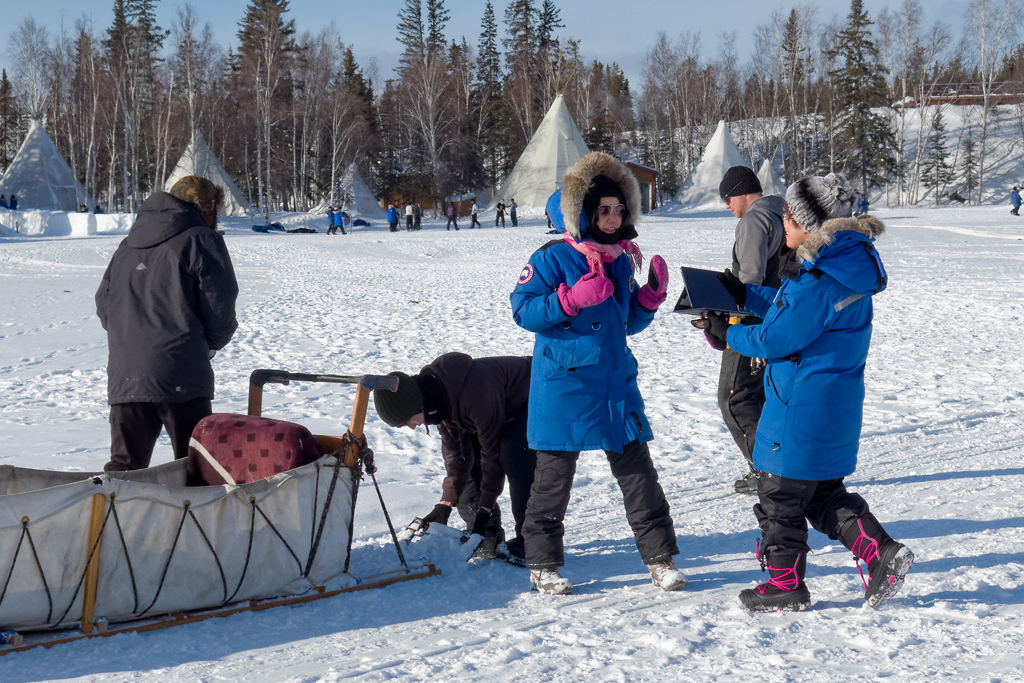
[482,395]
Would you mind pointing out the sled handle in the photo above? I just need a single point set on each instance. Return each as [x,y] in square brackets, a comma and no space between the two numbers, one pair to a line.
[263,376]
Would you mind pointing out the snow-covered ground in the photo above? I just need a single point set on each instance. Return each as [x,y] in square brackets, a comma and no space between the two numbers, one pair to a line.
[940,464]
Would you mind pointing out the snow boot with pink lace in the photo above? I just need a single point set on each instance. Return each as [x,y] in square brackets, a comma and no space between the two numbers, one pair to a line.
[888,561]
[785,590]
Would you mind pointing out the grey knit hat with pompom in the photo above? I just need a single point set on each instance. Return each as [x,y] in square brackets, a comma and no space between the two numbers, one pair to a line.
[815,199]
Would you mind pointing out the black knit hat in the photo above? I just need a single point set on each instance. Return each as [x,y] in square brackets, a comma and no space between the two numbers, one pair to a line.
[602,186]
[816,199]
[738,181]
[397,407]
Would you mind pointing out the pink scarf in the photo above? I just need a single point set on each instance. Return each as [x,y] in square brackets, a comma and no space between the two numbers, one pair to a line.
[596,253]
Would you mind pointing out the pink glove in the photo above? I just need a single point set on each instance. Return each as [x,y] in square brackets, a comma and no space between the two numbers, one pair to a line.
[589,290]
[653,293]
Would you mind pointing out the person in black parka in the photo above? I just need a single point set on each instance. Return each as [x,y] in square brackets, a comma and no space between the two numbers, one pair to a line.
[167,302]
[480,407]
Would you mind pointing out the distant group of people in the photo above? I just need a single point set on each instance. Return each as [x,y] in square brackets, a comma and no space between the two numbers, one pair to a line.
[338,219]
[413,217]
[11,203]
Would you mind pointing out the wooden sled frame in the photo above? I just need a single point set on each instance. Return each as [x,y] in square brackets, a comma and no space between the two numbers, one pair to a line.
[92,628]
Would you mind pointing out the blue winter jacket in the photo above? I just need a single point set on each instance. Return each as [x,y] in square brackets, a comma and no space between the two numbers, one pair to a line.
[815,338]
[392,215]
[1015,199]
[583,383]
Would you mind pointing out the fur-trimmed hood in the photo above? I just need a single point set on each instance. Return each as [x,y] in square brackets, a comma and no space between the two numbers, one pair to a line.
[578,180]
[842,248]
[823,236]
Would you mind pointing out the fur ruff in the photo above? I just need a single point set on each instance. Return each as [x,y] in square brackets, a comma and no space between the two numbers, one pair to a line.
[578,179]
[866,225]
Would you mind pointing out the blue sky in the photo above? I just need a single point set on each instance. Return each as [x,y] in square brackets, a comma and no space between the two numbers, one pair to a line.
[610,30]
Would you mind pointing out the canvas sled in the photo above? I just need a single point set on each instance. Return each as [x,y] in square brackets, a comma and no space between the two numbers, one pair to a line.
[260,515]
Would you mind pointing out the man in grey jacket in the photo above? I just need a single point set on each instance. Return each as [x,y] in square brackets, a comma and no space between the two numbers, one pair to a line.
[167,302]
[756,260]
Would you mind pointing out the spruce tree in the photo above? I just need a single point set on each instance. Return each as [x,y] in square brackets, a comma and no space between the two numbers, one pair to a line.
[936,172]
[969,166]
[492,111]
[437,18]
[410,34]
[9,138]
[867,139]
[548,20]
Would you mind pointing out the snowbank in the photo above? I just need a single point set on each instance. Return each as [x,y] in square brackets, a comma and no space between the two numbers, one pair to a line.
[38,223]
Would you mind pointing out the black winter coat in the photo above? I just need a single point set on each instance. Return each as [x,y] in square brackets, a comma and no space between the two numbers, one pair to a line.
[483,395]
[166,301]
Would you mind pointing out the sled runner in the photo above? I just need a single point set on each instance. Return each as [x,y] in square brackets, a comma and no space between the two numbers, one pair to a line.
[139,551]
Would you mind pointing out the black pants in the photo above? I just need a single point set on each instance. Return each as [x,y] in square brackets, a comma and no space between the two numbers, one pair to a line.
[499,217]
[135,427]
[408,222]
[393,226]
[515,221]
[647,511]
[741,398]
[451,222]
[518,461]
[786,505]
[475,222]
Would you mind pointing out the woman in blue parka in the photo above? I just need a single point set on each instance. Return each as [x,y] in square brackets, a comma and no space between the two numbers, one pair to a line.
[580,297]
[815,338]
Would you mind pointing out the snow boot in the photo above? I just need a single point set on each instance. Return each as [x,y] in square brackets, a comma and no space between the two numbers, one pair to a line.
[747,483]
[785,590]
[665,576]
[888,561]
[549,582]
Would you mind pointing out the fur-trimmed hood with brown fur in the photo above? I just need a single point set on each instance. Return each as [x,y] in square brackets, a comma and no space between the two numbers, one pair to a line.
[843,249]
[823,236]
[578,180]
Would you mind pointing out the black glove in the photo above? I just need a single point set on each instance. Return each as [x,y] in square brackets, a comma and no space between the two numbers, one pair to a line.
[716,330]
[734,285]
[483,516]
[439,514]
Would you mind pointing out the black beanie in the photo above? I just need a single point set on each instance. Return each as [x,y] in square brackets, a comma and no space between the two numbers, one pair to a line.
[397,407]
[602,186]
[739,180]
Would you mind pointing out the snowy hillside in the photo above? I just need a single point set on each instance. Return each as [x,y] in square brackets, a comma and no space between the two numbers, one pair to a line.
[940,463]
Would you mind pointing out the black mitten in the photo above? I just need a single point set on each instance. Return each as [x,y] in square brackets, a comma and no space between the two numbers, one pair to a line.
[734,285]
[439,514]
[480,523]
[716,331]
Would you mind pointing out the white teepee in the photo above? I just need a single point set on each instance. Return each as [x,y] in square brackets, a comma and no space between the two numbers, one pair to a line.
[40,178]
[701,186]
[770,184]
[541,168]
[199,160]
[353,195]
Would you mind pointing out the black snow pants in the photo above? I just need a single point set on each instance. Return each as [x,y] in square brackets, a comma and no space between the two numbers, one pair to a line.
[741,398]
[647,511]
[519,461]
[135,427]
[786,505]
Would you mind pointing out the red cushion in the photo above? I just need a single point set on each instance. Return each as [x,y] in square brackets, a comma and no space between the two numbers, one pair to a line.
[238,449]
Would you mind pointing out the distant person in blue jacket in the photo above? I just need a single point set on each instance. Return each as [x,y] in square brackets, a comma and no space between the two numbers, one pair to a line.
[3,201]
[1014,199]
[339,222]
[815,338]
[330,220]
[14,202]
[580,297]
[862,207]
[392,218]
